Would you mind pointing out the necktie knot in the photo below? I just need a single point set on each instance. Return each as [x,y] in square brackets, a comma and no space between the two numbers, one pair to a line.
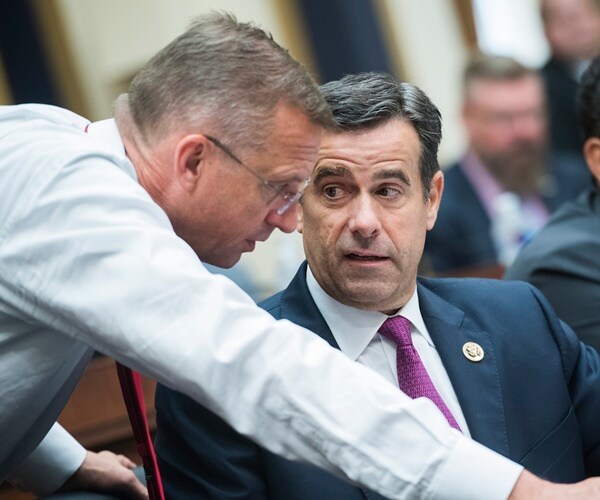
[398,330]
[413,378]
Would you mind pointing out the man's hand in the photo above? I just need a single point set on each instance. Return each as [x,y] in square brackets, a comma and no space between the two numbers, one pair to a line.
[530,487]
[108,473]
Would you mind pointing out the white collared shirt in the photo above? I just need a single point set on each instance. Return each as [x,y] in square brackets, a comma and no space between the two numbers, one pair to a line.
[356,332]
[88,259]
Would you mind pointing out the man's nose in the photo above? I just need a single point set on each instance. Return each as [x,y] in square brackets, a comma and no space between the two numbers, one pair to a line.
[529,126]
[286,222]
[364,218]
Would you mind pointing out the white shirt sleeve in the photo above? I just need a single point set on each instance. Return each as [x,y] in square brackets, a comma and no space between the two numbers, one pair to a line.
[86,252]
[54,461]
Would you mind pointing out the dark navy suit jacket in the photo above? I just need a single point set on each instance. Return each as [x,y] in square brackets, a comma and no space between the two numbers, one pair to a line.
[535,397]
[562,261]
[461,236]
[561,91]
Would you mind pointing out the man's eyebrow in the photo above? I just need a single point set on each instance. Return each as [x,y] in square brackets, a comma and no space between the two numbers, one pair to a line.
[392,174]
[331,171]
[287,181]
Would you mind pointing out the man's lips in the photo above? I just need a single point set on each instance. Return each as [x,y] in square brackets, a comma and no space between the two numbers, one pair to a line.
[365,257]
[251,242]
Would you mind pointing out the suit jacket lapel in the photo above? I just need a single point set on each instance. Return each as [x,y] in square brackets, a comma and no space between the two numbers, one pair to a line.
[298,306]
[477,385]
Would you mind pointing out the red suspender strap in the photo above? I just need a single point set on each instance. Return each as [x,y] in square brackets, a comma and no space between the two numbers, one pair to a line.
[131,386]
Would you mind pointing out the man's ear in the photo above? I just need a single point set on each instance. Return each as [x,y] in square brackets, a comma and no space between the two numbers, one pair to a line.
[466,113]
[190,155]
[591,153]
[436,189]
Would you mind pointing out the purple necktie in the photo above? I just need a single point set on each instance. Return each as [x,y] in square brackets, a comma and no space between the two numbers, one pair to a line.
[413,378]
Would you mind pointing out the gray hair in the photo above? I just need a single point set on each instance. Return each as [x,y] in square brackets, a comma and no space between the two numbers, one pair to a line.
[495,68]
[224,73]
[366,100]
[546,11]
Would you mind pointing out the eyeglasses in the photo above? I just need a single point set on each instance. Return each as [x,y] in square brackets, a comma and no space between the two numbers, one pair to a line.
[289,198]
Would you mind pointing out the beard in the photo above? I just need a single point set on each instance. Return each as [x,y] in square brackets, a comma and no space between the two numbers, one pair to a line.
[521,169]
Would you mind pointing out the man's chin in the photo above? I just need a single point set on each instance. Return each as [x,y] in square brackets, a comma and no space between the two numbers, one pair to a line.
[520,175]
[367,295]
[224,261]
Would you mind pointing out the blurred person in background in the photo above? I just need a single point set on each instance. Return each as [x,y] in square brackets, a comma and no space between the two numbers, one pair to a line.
[572,29]
[505,186]
[563,259]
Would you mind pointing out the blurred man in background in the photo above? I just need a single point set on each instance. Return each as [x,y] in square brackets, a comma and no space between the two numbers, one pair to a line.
[563,259]
[505,186]
[572,29]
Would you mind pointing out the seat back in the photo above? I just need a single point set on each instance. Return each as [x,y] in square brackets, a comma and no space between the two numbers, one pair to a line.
[131,386]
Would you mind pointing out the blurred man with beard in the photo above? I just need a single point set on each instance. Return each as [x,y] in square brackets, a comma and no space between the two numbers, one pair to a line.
[505,186]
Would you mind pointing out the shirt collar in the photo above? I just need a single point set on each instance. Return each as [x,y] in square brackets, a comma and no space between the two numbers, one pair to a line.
[352,328]
[484,183]
[105,132]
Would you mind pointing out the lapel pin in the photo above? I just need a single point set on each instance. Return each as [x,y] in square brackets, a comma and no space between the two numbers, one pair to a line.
[473,352]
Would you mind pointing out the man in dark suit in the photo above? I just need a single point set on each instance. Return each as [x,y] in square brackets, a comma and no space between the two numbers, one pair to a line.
[572,29]
[503,189]
[490,355]
[562,260]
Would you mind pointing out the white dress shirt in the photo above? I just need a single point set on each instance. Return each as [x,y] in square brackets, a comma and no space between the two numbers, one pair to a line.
[356,332]
[87,259]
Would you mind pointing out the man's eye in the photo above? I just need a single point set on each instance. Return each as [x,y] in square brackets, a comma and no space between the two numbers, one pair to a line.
[389,191]
[273,189]
[279,187]
[332,191]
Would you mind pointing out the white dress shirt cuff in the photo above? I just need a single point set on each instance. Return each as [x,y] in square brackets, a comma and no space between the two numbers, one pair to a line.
[483,472]
[49,466]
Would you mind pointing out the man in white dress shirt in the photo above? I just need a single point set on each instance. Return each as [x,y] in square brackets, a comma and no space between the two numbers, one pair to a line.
[363,222]
[101,229]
